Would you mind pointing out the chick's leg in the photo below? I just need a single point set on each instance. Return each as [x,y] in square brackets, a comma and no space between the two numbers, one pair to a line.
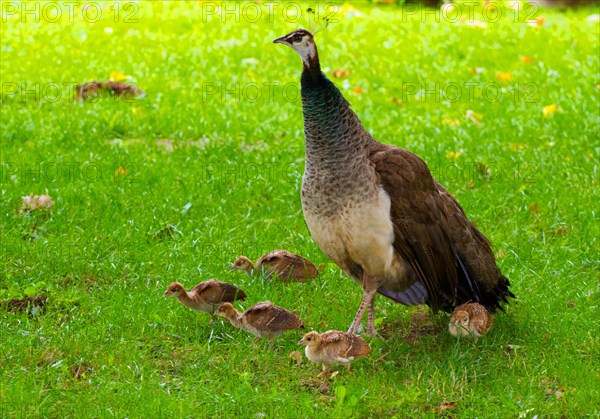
[325,371]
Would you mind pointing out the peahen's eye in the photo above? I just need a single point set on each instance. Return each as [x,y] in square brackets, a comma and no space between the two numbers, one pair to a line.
[297,38]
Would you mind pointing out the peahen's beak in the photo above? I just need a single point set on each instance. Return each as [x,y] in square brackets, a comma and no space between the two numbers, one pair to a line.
[281,40]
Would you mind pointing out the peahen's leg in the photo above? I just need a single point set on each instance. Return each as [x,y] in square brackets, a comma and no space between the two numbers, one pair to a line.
[367,303]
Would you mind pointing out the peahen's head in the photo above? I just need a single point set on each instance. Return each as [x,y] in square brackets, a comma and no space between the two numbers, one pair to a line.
[303,43]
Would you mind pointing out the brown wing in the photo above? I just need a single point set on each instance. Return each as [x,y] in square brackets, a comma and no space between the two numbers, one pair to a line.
[266,316]
[288,265]
[483,281]
[446,252]
[343,345]
[420,223]
[217,292]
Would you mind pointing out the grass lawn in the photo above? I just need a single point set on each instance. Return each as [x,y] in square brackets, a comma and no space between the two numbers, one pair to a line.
[505,113]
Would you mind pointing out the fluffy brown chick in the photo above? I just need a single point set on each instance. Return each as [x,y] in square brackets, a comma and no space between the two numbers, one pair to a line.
[263,320]
[287,266]
[206,296]
[470,320]
[333,347]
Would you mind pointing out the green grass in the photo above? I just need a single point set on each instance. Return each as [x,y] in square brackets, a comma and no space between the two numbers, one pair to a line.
[530,183]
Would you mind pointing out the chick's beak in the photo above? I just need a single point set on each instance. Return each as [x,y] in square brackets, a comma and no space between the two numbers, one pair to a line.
[281,40]
[166,294]
[232,268]
[301,342]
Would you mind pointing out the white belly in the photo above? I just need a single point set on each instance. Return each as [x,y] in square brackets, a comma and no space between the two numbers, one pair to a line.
[359,232]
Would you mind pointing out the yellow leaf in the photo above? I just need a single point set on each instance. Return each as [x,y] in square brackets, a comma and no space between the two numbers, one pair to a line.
[251,73]
[121,171]
[550,110]
[340,74]
[504,76]
[358,90]
[116,76]
[527,60]
[537,23]
[517,147]
[450,122]
[453,155]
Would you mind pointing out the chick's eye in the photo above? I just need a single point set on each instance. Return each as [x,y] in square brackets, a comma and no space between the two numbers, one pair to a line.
[297,38]
[309,339]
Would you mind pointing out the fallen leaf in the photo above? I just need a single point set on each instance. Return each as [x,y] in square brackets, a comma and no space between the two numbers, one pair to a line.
[296,356]
[116,76]
[397,101]
[560,231]
[31,305]
[333,375]
[326,399]
[121,171]
[358,90]
[550,110]
[527,60]
[450,122]
[500,254]
[251,73]
[340,73]
[534,210]
[504,76]
[453,155]
[571,304]
[445,405]
[165,233]
[79,372]
[537,23]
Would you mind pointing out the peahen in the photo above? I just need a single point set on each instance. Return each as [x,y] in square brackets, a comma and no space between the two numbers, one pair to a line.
[378,213]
